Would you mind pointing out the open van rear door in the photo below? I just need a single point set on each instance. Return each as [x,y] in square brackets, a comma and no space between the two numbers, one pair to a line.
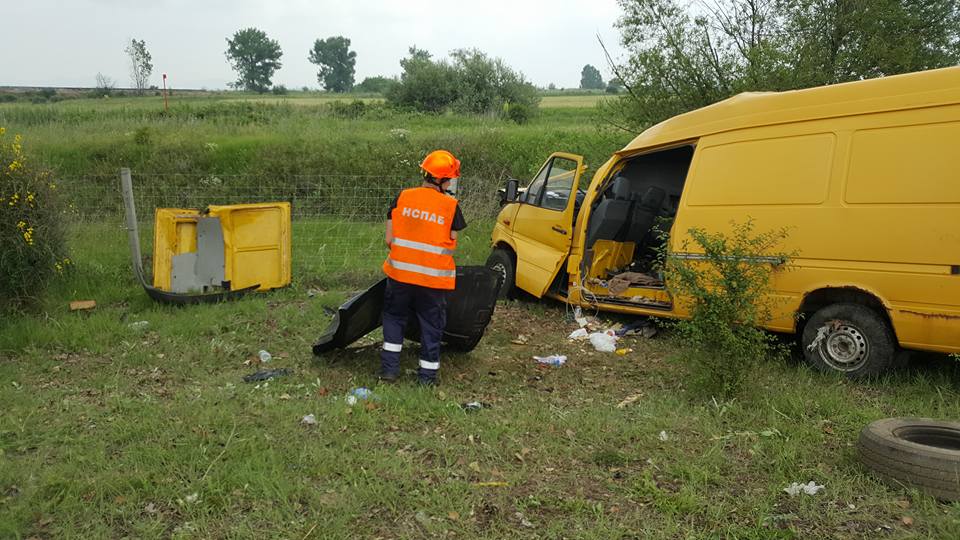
[543,228]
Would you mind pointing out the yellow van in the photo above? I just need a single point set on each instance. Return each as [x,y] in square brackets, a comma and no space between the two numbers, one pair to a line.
[865,175]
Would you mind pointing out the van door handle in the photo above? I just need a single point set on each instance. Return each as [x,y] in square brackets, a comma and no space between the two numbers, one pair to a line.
[559,229]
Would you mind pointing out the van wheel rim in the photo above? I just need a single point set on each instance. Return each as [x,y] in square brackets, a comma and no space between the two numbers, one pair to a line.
[845,349]
[499,267]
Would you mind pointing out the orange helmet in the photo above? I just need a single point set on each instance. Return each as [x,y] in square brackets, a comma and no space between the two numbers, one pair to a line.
[441,165]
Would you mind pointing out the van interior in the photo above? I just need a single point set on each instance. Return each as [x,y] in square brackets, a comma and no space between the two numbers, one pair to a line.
[628,222]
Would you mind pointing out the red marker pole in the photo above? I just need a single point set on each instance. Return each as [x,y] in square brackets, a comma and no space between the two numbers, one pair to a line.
[166,106]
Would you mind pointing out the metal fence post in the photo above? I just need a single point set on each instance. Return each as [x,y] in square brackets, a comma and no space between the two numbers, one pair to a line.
[130,213]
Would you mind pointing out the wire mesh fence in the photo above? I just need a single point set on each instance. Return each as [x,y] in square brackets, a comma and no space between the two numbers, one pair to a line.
[338,221]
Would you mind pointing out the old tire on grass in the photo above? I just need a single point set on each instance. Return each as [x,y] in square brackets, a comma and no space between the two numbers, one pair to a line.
[918,452]
[851,339]
[502,262]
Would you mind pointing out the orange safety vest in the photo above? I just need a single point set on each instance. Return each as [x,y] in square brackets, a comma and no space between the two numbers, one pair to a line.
[422,250]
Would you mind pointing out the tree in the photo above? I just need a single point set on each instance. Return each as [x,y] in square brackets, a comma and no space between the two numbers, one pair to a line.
[140,64]
[681,57]
[375,85]
[104,86]
[471,82]
[336,62]
[254,57]
[590,78]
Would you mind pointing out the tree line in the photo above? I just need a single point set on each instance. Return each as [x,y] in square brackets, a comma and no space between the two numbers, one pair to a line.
[682,56]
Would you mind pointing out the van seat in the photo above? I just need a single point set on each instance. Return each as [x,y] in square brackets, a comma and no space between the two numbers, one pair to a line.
[609,221]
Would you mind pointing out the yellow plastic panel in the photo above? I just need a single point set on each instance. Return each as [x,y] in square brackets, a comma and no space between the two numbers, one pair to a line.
[174,232]
[256,241]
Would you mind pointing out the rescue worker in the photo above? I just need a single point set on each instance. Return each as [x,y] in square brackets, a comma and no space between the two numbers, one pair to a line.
[422,226]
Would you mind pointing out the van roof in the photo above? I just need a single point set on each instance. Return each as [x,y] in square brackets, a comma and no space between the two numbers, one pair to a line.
[752,109]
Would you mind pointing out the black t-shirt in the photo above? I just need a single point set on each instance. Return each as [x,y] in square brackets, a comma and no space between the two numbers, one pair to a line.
[459,223]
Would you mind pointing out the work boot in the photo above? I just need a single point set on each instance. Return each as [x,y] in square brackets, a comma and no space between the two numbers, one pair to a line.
[387,377]
[426,382]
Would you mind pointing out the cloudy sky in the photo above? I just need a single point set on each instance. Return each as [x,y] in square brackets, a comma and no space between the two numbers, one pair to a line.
[67,42]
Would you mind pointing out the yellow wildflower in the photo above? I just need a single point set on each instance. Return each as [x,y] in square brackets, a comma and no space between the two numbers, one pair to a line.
[21,224]
[2,131]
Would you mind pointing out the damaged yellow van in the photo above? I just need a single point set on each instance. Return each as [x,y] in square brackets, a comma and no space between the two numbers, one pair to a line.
[865,175]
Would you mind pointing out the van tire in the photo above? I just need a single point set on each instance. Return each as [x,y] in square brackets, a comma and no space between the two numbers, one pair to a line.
[849,338]
[502,262]
[919,452]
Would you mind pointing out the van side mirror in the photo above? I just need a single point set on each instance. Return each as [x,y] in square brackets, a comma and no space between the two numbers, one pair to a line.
[510,193]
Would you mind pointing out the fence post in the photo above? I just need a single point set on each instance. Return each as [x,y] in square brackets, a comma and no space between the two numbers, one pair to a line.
[130,213]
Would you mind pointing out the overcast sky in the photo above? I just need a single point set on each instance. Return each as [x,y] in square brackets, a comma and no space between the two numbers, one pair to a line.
[66,42]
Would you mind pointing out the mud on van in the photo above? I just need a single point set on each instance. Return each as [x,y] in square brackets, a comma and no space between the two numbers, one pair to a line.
[865,175]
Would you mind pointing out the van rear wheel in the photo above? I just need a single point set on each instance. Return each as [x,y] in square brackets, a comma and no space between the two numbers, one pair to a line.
[851,339]
[502,262]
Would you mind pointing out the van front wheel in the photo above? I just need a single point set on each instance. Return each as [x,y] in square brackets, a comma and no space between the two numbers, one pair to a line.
[501,261]
[849,338]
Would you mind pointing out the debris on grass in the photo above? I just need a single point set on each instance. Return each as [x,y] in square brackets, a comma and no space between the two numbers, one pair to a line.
[629,399]
[309,420]
[264,357]
[359,394]
[643,327]
[604,341]
[265,375]
[810,488]
[663,436]
[82,305]
[524,521]
[139,325]
[473,406]
[191,498]
[520,340]
[579,334]
[623,352]
[552,360]
[150,508]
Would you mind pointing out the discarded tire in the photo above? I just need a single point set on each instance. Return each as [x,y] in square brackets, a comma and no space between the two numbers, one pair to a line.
[918,452]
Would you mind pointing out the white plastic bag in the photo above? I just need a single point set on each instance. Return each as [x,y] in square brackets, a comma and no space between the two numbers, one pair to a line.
[603,341]
[579,333]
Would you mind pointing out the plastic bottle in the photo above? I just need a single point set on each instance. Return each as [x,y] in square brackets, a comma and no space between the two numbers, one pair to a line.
[362,393]
[552,360]
[264,357]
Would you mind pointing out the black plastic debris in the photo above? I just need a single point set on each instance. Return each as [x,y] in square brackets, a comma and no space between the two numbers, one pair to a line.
[266,374]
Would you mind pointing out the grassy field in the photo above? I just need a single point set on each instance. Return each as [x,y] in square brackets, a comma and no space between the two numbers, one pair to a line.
[117,431]
[113,428]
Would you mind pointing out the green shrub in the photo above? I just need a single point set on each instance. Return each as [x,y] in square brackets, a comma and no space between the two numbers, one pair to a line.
[32,239]
[142,136]
[726,290]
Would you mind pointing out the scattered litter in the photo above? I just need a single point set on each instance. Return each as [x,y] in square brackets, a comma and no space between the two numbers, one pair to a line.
[138,325]
[520,340]
[79,305]
[266,374]
[621,282]
[663,436]
[604,341]
[359,394]
[309,420]
[472,406]
[264,357]
[624,352]
[629,399]
[579,334]
[641,327]
[314,292]
[191,498]
[422,518]
[810,488]
[524,521]
[552,360]
[150,508]
[578,316]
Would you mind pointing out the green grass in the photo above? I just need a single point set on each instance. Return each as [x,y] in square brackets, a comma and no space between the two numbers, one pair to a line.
[108,431]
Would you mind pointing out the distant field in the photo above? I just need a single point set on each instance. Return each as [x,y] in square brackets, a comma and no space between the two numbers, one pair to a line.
[547,102]
[557,102]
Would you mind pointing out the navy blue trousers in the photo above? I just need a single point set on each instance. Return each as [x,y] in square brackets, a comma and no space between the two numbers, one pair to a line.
[430,306]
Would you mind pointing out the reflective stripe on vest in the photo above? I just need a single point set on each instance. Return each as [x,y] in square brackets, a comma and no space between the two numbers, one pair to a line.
[425,270]
[421,246]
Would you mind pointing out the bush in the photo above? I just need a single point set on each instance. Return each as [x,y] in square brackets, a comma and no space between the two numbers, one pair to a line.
[727,293]
[32,238]
[279,90]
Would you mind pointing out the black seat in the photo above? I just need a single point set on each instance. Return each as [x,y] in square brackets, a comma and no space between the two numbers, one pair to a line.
[609,221]
[645,211]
